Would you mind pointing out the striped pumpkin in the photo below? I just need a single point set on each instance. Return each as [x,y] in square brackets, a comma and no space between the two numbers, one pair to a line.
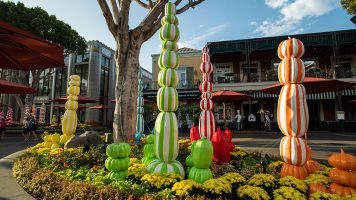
[74,77]
[166,140]
[293,150]
[206,87]
[206,78]
[205,57]
[291,70]
[290,48]
[170,19]
[169,45]
[73,90]
[206,124]
[167,99]
[140,123]
[207,95]
[140,110]
[292,115]
[168,78]
[206,104]
[74,83]
[206,67]
[166,167]
[169,32]
[69,123]
[71,105]
[205,50]
[72,98]
[298,171]
[168,59]
[170,9]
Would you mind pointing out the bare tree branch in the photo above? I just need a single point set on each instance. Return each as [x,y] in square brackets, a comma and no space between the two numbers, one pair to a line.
[124,12]
[108,16]
[178,2]
[191,4]
[115,10]
[156,25]
[152,16]
[144,5]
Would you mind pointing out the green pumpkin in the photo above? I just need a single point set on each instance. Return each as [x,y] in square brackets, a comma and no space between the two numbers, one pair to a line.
[200,175]
[188,170]
[189,160]
[146,160]
[148,150]
[117,164]
[120,175]
[118,150]
[150,139]
[202,153]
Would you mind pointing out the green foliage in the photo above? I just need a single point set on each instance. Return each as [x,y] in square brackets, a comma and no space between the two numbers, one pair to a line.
[349,6]
[221,169]
[235,179]
[252,193]
[265,181]
[293,182]
[238,153]
[318,178]
[186,188]
[350,197]
[324,196]
[136,172]
[38,22]
[156,181]
[217,187]
[288,193]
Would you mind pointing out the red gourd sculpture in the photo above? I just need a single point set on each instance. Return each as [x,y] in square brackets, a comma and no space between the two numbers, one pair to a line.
[194,133]
[222,147]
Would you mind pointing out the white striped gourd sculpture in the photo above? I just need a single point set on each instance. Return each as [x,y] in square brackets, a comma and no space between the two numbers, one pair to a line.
[149,150]
[118,160]
[166,127]
[140,110]
[70,120]
[292,113]
[206,119]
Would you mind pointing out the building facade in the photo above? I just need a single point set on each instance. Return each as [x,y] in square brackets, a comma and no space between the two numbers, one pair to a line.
[249,65]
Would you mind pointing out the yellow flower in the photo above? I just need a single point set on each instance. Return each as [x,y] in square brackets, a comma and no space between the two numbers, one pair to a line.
[158,181]
[252,192]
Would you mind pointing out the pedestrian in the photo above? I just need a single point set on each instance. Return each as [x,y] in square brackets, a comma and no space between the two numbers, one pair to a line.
[26,128]
[268,120]
[2,126]
[238,118]
[33,128]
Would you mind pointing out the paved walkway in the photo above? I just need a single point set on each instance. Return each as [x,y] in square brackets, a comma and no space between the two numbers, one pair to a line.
[9,188]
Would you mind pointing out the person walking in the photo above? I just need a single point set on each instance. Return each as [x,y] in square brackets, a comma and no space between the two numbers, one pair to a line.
[2,126]
[33,127]
[238,118]
[26,128]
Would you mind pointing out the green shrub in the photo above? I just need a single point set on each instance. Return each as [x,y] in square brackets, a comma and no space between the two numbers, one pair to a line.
[265,181]
[288,193]
[318,178]
[325,196]
[186,188]
[156,181]
[252,193]
[221,169]
[293,182]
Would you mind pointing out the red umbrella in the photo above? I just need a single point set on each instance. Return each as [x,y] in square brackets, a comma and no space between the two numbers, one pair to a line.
[63,106]
[353,101]
[81,99]
[100,107]
[227,95]
[8,87]
[314,85]
[144,100]
[21,50]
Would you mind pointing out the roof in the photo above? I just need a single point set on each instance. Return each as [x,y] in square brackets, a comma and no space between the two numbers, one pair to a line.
[187,50]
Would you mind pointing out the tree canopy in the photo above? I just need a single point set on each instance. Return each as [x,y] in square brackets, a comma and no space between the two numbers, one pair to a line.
[349,6]
[38,22]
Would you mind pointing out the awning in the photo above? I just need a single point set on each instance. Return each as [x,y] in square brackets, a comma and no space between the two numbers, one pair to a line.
[81,99]
[100,107]
[8,87]
[21,50]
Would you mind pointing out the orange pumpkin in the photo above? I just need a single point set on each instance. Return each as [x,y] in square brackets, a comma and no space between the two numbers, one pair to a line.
[317,187]
[343,177]
[341,190]
[343,161]
[298,171]
[313,166]
[309,153]
[290,48]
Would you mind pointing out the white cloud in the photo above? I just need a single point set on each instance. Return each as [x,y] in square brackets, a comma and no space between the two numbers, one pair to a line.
[200,40]
[292,15]
[276,3]
[253,23]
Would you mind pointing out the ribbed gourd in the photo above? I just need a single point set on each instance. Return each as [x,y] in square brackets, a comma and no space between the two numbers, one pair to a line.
[140,110]
[202,155]
[148,150]
[166,126]
[118,160]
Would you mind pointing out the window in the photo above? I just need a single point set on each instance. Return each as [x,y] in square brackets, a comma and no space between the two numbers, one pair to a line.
[182,74]
[344,67]
[220,112]
[82,58]
[61,82]
[250,72]
[45,83]
[104,85]
[82,71]
[223,72]
[105,61]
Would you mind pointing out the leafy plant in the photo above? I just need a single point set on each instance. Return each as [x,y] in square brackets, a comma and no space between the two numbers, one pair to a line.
[288,193]
[249,192]
[324,196]
[293,182]
[265,181]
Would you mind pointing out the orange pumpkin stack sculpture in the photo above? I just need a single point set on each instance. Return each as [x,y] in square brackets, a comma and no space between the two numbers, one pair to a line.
[293,116]
[343,175]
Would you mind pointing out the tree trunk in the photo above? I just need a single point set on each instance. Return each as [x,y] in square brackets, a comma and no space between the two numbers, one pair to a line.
[127,65]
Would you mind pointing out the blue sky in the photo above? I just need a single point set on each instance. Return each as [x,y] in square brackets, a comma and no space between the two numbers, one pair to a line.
[213,20]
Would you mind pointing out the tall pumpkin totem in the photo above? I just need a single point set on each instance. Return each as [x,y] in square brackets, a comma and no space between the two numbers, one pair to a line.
[166,128]
[140,121]
[293,116]
[70,120]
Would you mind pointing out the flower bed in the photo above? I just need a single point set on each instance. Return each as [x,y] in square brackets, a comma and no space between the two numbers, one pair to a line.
[73,174]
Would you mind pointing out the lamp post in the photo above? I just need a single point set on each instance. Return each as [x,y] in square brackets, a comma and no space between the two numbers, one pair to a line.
[353,19]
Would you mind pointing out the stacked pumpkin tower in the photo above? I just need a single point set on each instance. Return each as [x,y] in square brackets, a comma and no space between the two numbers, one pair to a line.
[140,110]
[70,120]
[166,126]
[292,113]
[118,160]
[206,119]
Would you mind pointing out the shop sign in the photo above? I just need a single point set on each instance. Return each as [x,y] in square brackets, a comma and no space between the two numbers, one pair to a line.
[41,99]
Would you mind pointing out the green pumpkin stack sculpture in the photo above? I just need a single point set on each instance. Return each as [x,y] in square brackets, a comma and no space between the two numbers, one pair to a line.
[202,153]
[189,159]
[118,160]
[148,150]
[166,126]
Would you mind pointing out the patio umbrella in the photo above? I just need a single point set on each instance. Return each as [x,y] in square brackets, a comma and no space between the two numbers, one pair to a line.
[81,99]
[353,101]
[144,100]
[100,107]
[8,87]
[21,50]
[63,106]
[314,85]
[227,95]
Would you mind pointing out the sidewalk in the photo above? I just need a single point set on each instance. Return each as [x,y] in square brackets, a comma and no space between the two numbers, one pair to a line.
[10,189]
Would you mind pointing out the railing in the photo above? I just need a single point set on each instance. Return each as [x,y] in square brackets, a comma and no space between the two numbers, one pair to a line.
[181,85]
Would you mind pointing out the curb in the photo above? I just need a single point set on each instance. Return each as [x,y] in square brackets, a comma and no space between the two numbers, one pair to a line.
[10,189]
